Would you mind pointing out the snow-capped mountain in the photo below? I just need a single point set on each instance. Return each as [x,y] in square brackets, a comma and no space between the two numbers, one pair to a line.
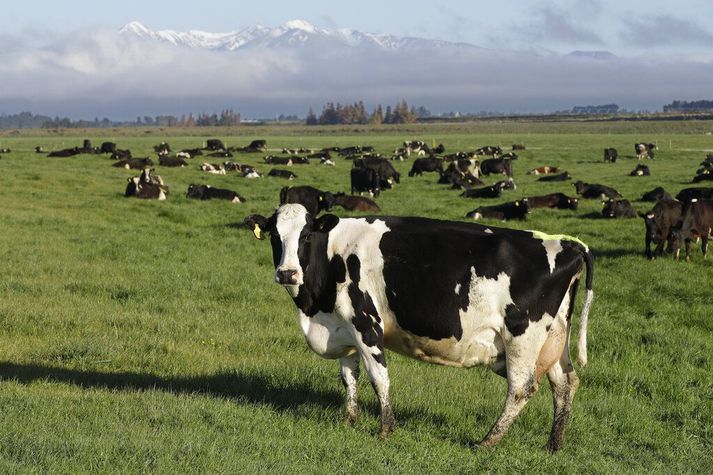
[293,34]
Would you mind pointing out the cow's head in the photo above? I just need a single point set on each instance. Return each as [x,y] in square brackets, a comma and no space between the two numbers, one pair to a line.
[291,229]
[572,203]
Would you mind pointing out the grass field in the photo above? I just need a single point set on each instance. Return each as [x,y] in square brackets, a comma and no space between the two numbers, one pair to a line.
[147,336]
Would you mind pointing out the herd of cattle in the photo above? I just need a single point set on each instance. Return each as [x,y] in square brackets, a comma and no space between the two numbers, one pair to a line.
[674,221]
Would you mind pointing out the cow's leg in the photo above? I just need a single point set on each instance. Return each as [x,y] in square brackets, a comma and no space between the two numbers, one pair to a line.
[704,244]
[375,364]
[522,384]
[350,375]
[688,250]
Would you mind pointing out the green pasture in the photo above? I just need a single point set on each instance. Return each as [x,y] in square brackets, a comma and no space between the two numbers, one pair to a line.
[141,336]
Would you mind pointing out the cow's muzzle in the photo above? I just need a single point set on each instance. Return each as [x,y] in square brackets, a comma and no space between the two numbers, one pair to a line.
[286,277]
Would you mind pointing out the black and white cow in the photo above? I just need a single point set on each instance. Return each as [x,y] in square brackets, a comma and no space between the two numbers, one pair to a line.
[133,163]
[166,161]
[640,170]
[214,168]
[644,150]
[492,150]
[492,191]
[162,149]
[271,159]
[610,155]
[207,192]
[481,296]
[277,173]
[504,212]
[564,176]
[311,198]
[386,171]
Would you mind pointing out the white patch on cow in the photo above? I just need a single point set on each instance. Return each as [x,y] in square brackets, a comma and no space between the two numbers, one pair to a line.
[477,216]
[236,200]
[457,289]
[161,195]
[291,220]
[488,230]
[252,175]
[552,248]
[327,334]
[650,215]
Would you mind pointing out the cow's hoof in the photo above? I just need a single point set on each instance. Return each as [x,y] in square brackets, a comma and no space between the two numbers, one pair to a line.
[349,420]
[386,431]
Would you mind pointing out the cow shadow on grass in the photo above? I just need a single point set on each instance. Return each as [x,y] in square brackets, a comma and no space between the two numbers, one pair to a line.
[287,397]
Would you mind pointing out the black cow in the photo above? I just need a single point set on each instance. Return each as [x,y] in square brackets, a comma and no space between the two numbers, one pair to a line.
[644,150]
[133,163]
[656,194]
[107,147]
[67,152]
[215,144]
[610,155]
[120,154]
[688,194]
[166,161]
[492,191]
[286,174]
[697,222]
[553,200]
[300,161]
[506,211]
[640,170]
[5,150]
[659,222]
[39,149]
[595,191]
[220,154]
[311,198]
[258,145]
[564,176]
[192,152]
[271,159]
[386,171]
[207,192]
[479,293]
[365,180]
[496,166]
[518,146]
[430,164]
[707,176]
[356,203]
[618,208]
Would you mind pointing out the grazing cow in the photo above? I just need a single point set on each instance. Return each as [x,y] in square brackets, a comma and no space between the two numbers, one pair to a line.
[659,222]
[162,149]
[489,150]
[656,194]
[546,170]
[618,208]
[271,159]
[553,200]
[564,176]
[215,169]
[120,154]
[492,191]
[107,147]
[192,152]
[365,180]
[640,170]
[207,192]
[697,222]
[518,146]
[386,171]
[644,150]
[430,164]
[215,144]
[133,163]
[356,203]
[479,296]
[166,161]
[311,198]
[286,174]
[496,166]
[688,194]
[610,155]
[506,211]
[67,152]
[595,191]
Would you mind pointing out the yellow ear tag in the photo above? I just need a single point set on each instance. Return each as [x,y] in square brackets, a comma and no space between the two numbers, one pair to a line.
[321,198]
[257,231]
[517,203]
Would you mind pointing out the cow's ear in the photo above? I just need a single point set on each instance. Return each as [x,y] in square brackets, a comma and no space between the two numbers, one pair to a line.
[257,224]
[325,223]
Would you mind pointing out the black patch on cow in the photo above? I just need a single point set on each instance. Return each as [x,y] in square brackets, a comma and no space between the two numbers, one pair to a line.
[354,267]
[319,291]
[380,358]
[338,269]
[515,322]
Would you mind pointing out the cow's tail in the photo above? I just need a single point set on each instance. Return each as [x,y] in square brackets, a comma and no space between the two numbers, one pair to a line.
[589,296]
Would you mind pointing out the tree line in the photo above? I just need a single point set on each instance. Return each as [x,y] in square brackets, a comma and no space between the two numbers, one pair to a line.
[356,113]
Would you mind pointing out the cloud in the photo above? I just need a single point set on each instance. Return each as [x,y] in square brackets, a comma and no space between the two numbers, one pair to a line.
[664,30]
[556,26]
[97,73]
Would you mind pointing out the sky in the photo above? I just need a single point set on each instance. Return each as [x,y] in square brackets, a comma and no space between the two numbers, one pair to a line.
[66,58]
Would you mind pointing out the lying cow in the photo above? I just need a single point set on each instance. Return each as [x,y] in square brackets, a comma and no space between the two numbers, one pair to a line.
[595,191]
[659,222]
[656,194]
[121,154]
[561,177]
[508,184]
[546,170]
[162,149]
[311,198]
[518,146]
[688,194]
[166,161]
[192,152]
[215,169]
[67,152]
[618,208]
[553,200]
[492,191]
[207,192]
[707,176]
[133,163]
[363,285]
[277,173]
[640,170]
[505,212]
[697,222]
[356,203]
[610,155]
[489,150]
[146,186]
[271,159]
[215,144]
[644,150]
